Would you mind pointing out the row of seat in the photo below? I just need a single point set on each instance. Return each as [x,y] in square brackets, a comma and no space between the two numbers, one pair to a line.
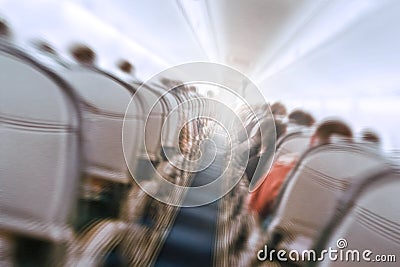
[62,134]
[336,191]
[73,137]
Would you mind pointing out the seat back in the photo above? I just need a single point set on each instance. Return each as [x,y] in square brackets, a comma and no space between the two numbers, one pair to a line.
[104,100]
[368,219]
[153,114]
[170,130]
[313,189]
[40,147]
[297,143]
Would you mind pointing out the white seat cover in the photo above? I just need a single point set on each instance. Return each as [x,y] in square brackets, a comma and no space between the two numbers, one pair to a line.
[297,143]
[372,223]
[104,102]
[170,131]
[313,190]
[40,155]
[154,116]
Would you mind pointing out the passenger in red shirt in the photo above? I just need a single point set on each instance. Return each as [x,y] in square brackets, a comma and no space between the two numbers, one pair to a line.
[262,200]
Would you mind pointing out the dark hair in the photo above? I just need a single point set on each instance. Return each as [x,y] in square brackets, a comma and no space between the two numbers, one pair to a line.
[278,109]
[332,127]
[370,136]
[301,117]
[125,66]
[83,54]
[4,29]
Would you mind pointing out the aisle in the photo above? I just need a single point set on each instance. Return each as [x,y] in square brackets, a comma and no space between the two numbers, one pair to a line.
[191,241]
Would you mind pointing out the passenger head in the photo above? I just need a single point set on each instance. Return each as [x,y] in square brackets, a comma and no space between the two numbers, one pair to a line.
[302,118]
[5,31]
[125,66]
[370,136]
[326,130]
[278,109]
[83,54]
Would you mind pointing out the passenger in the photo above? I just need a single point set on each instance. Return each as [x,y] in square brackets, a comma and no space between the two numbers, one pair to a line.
[278,110]
[126,66]
[127,71]
[299,119]
[5,31]
[83,54]
[371,137]
[263,199]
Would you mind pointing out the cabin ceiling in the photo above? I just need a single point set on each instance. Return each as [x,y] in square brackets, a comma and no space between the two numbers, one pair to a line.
[248,33]
[241,34]
[261,38]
